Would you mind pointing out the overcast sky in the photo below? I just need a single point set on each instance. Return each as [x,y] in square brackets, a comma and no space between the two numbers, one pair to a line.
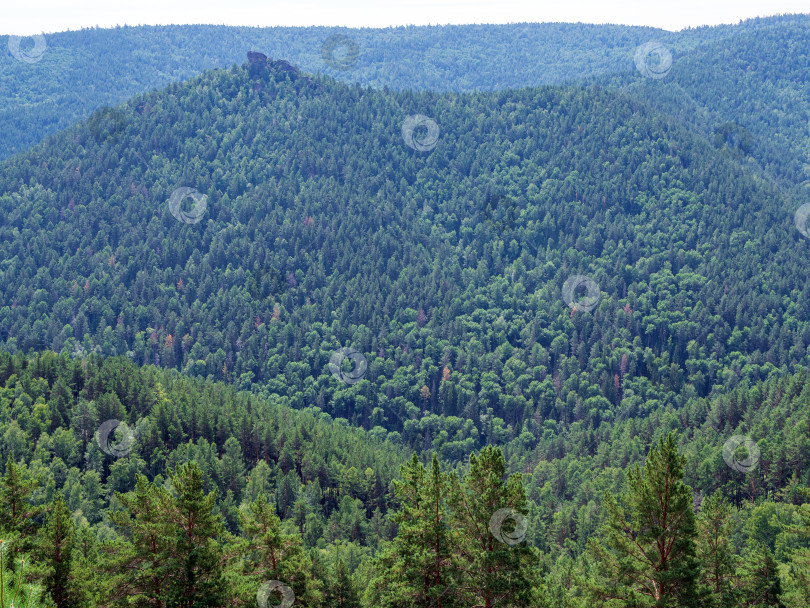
[25,17]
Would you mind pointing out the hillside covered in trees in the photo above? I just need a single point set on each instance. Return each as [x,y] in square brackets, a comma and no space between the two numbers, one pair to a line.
[270,337]
[199,495]
[68,75]
[747,93]
[444,268]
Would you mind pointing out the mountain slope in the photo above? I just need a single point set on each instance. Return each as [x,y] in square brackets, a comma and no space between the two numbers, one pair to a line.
[332,485]
[79,72]
[445,267]
[749,94]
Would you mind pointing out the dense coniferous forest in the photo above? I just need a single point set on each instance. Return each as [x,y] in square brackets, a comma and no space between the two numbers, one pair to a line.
[235,491]
[272,336]
[445,268]
[78,72]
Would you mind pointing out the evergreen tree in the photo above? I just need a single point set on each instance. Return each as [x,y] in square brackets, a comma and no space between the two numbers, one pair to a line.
[232,467]
[648,556]
[759,573]
[714,551]
[488,518]
[17,512]
[416,568]
[54,557]
[137,565]
[195,558]
[342,593]
[797,592]
[172,556]
[14,591]
[85,572]
[270,554]
[441,570]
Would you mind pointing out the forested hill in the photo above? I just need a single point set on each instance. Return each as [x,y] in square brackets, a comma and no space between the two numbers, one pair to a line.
[441,255]
[748,94]
[121,483]
[64,76]
[54,410]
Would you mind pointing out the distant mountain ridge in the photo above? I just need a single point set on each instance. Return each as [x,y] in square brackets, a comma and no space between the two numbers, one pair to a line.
[81,71]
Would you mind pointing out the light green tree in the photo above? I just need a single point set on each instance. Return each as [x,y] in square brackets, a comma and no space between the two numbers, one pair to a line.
[646,555]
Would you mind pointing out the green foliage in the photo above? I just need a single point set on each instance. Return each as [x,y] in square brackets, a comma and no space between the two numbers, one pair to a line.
[445,270]
[648,557]
[715,552]
[171,546]
[274,555]
[419,567]
[797,573]
[762,585]
[13,589]
[488,517]
[82,71]
[495,346]
[55,558]
[16,488]
[189,521]
[195,553]
[446,552]
[108,66]
[342,592]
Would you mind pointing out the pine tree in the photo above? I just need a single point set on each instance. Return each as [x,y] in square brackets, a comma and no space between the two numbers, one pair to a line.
[172,556]
[343,594]
[86,565]
[195,558]
[488,516]
[137,565]
[54,557]
[16,488]
[274,555]
[441,569]
[416,568]
[61,402]
[797,592]
[232,467]
[714,551]
[761,584]
[648,557]
[14,592]
[409,586]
